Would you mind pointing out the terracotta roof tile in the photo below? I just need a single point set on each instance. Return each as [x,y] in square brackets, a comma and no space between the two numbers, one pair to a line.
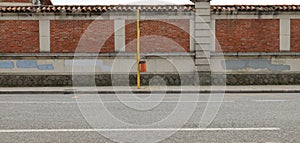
[155,8]
[256,8]
[78,9]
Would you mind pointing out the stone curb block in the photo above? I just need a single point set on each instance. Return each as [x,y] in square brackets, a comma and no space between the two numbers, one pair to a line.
[147,92]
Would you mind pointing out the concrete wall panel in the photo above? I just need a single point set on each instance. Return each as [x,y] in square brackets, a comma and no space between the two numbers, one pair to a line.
[256,65]
[100,66]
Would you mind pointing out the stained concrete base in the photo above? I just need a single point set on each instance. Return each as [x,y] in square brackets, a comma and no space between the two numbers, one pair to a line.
[148,79]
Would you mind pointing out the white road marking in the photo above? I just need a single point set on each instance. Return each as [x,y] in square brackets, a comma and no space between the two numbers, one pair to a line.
[103,95]
[109,102]
[270,100]
[138,130]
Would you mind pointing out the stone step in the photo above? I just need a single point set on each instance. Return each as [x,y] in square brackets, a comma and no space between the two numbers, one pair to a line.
[203,68]
[202,54]
[202,62]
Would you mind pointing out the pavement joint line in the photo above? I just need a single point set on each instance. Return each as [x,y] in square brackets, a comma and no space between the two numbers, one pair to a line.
[136,130]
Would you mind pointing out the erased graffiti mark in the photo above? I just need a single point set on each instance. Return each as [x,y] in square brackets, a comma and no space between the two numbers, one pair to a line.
[254,64]
[7,65]
[89,63]
[21,64]
[46,67]
[27,64]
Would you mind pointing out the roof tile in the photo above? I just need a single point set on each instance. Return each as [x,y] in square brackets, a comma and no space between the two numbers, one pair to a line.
[155,8]
[77,9]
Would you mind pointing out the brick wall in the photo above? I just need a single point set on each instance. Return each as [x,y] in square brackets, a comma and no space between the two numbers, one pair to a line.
[20,36]
[46,2]
[82,36]
[159,36]
[251,35]
[28,1]
[243,35]
[295,35]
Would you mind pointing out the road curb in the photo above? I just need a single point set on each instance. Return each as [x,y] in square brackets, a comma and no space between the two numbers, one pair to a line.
[148,92]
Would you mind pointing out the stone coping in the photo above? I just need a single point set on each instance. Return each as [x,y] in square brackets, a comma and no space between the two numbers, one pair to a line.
[190,54]
[93,55]
[255,54]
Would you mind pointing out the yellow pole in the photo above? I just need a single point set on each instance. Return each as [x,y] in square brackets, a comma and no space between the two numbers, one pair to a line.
[138,49]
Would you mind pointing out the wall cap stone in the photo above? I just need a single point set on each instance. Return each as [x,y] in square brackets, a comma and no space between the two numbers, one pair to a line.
[255,54]
[121,54]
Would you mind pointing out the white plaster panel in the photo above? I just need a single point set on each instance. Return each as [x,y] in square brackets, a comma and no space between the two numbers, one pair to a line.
[285,43]
[120,44]
[44,28]
[285,26]
[285,35]
[119,27]
[45,44]
[44,31]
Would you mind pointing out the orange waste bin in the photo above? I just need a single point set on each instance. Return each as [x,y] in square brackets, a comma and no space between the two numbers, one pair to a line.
[143,67]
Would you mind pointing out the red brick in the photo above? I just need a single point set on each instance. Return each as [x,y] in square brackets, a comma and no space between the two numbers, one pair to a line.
[248,35]
[86,36]
[19,36]
[295,35]
[46,2]
[159,36]
[27,1]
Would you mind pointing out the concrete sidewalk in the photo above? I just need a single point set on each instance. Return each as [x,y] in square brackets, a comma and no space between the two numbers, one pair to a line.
[155,89]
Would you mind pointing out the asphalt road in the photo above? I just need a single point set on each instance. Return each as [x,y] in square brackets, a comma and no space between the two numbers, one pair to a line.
[83,118]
